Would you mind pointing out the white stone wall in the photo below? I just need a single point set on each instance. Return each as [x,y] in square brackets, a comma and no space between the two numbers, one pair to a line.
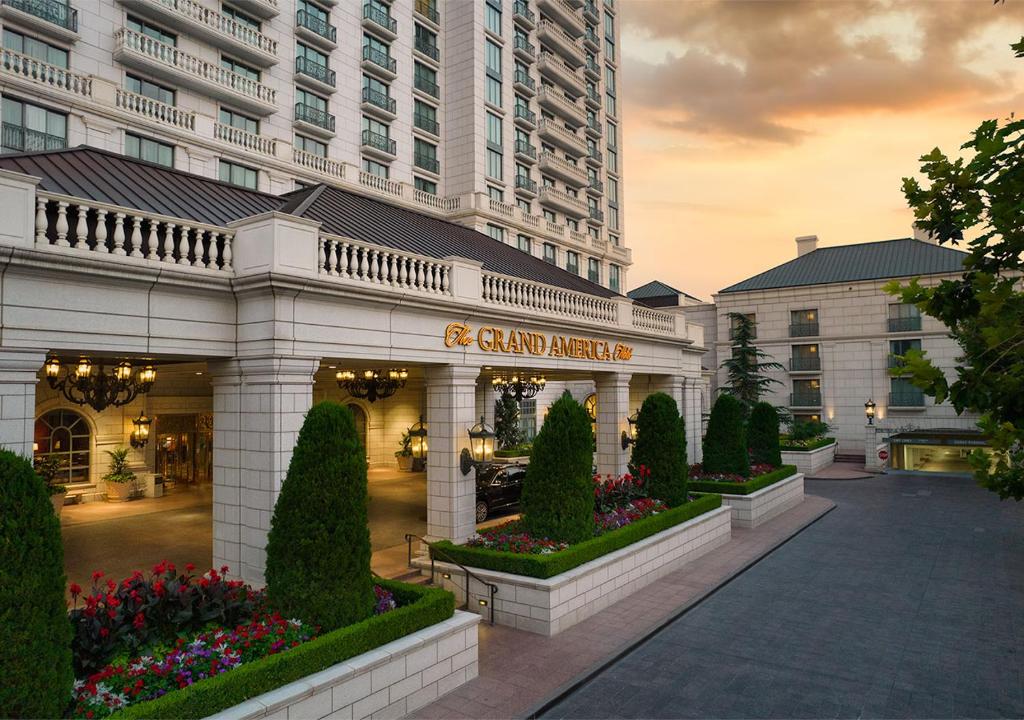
[749,511]
[810,461]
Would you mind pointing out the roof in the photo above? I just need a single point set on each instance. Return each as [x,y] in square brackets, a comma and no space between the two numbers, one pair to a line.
[106,177]
[656,288]
[905,257]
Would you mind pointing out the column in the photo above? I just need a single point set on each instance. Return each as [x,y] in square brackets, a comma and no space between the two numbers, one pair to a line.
[693,389]
[259,405]
[451,411]
[612,411]
[675,387]
[18,376]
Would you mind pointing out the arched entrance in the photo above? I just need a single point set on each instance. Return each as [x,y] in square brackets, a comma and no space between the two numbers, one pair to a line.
[65,436]
[361,425]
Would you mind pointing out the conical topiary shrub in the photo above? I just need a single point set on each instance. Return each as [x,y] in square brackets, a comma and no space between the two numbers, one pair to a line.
[725,443]
[558,491]
[661,448]
[763,435]
[35,654]
[318,549]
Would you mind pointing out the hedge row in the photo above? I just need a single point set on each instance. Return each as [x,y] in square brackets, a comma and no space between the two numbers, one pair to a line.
[419,607]
[750,486]
[545,566]
[813,445]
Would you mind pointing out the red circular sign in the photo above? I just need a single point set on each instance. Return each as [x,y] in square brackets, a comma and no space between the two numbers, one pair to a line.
[883,455]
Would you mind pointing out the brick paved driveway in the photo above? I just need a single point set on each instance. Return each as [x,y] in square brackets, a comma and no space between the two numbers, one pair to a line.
[905,601]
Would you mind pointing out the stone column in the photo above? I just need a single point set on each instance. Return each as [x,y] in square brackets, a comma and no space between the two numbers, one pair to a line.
[451,411]
[612,411]
[18,376]
[693,389]
[259,405]
[675,387]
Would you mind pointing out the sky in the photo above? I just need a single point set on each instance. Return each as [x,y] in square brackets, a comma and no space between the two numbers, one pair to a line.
[747,124]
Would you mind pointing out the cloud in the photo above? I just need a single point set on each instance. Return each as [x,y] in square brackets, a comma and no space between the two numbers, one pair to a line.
[764,70]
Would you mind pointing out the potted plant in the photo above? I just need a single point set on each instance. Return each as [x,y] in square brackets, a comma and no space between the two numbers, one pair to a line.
[120,479]
[47,467]
[404,453]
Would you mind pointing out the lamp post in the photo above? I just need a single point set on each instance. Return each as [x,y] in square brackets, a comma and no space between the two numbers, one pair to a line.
[869,411]
[418,436]
[140,435]
[629,438]
[481,447]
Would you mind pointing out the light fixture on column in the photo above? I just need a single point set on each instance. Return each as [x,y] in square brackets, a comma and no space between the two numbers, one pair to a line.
[869,411]
[518,386]
[629,438]
[90,384]
[418,436]
[372,385]
[481,447]
[140,435]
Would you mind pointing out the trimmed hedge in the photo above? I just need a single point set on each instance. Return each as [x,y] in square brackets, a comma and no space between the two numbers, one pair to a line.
[423,607]
[661,447]
[763,435]
[545,566]
[814,445]
[725,442]
[745,488]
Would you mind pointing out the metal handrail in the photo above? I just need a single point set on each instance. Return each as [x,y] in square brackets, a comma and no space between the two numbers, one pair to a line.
[492,588]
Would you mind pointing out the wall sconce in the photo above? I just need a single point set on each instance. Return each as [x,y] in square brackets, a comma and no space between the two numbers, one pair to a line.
[629,438]
[140,435]
[869,411]
[481,447]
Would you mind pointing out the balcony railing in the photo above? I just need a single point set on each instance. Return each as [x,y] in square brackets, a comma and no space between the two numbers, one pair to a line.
[596,185]
[427,123]
[379,99]
[590,37]
[314,116]
[316,25]
[20,139]
[52,11]
[906,399]
[526,114]
[521,10]
[590,11]
[425,84]
[207,21]
[379,142]
[804,364]
[525,46]
[379,58]
[905,324]
[36,71]
[320,73]
[525,148]
[524,79]
[593,67]
[804,329]
[245,139]
[427,162]
[525,183]
[595,155]
[428,48]
[807,398]
[428,9]
[154,110]
[380,18]
[597,215]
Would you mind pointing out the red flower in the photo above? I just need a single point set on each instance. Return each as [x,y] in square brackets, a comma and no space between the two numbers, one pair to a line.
[139,621]
[224,569]
[97,575]
[104,632]
[75,589]
[189,567]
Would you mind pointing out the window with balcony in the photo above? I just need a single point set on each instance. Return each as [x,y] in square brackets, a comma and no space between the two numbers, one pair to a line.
[550,253]
[428,9]
[247,20]
[238,68]
[240,121]
[734,324]
[33,48]
[312,109]
[594,270]
[380,13]
[425,41]
[805,358]
[378,52]
[425,117]
[57,12]
[615,278]
[425,156]
[904,317]
[523,243]
[313,147]
[496,232]
[495,193]
[377,135]
[525,205]
[149,30]
[424,185]
[902,393]
[149,150]
[316,19]
[898,348]
[313,63]
[236,174]
[806,393]
[572,262]
[495,163]
[492,16]
[425,79]
[149,89]
[377,169]
[27,127]
[378,94]
[550,216]
[803,323]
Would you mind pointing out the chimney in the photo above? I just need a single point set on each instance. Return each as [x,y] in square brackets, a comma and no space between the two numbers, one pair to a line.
[923,235]
[806,244]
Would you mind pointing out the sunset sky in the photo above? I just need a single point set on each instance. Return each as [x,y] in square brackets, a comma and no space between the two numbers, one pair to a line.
[749,123]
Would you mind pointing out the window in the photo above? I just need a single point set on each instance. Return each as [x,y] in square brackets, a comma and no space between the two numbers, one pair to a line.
[613,239]
[492,16]
[425,79]
[528,419]
[522,171]
[805,357]
[733,323]
[613,190]
[314,61]
[425,116]
[609,79]
[28,127]
[42,51]
[609,49]
[314,147]
[493,91]
[904,317]
[550,216]
[494,163]
[152,31]
[249,21]
[524,205]
[594,270]
[377,47]
[150,150]
[572,262]
[803,323]
[238,68]
[424,185]
[550,253]
[425,156]
[375,168]
[613,160]
[494,131]
[609,26]
[495,193]
[573,224]
[613,135]
[497,233]
[901,347]
[236,174]
[493,59]
[806,393]
[237,120]
[594,233]
[64,435]
[613,217]
[139,86]
[376,86]
[523,243]
[546,181]
[798,417]
[904,394]
[614,278]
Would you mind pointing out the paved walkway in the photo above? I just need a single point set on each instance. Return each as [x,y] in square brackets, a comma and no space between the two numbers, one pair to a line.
[842,471]
[906,601]
[519,671]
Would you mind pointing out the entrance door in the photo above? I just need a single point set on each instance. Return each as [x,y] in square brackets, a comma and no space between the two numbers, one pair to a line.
[360,417]
[184,450]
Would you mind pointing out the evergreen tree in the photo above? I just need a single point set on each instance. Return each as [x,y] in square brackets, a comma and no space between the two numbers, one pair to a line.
[661,448]
[748,365]
[725,443]
[558,490]
[35,654]
[318,549]
[763,435]
[506,422]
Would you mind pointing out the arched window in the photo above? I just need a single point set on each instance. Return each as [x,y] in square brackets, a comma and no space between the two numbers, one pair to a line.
[64,435]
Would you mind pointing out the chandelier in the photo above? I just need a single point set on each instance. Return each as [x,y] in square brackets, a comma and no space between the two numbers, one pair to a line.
[521,388]
[91,384]
[372,385]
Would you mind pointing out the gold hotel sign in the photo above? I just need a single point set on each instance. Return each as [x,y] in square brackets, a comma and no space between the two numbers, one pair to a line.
[523,342]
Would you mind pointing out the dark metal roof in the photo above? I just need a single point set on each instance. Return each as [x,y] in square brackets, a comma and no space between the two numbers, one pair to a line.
[102,176]
[655,288]
[905,257]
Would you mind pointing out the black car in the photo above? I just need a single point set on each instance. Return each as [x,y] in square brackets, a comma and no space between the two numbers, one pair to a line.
[498,487]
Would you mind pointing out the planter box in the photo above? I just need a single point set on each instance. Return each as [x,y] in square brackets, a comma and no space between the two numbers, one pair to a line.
[749,511]
[810,461]
[390,681]
[549,606]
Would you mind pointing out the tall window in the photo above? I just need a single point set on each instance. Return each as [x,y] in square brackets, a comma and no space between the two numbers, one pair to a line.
[28,127]
[613,134]
[425,79]
[238,68]
[28,45]
[613,190]
[528,419]
[572,262]
[425,155]
[613,217]
[493,67]
[244,122]
[152,31]
[550,253]
[314,12]
[594,270]
[494,131]
[424,185]
[64,435]
[149,89]
[614,278]
[375,168]
[378,47]
[148,149]
[613,160]
[492,16]
[494,164]
[523,243]
[313,147]
[236,174]
[498,233]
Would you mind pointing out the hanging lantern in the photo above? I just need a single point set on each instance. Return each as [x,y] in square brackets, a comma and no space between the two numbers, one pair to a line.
[140,435]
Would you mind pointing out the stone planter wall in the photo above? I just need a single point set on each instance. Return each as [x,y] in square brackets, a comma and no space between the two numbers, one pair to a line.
[749,511]
[549,606]
[391,681]
[810,461]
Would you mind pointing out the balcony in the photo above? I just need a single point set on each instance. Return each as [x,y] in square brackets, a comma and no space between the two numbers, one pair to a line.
[51,17]
[805,399]
[180,68]
[319,77]
[428,10]
[550,131]
[805,364]
[378,103]
[314,120]
[594,128]
[595,187]
[379,63]
[525,117]
[559,167]
[427,162]
[905,324]
[25,68]
[427,48]
[250,142]
[426,123]
[592,98]
[522,13]
[380,145]
[525,151]
[312,28]
[556,102]
[19,139]
[596,216]
[591,40]
[379,22]
[561,201]
[265,9]
[594,157]
[590,11]
[524,49]
[554,37]
[804,329]
[592,69]
[524,83]
[560,73]
[906,399]
[564,14]
[424,84]
[525,186]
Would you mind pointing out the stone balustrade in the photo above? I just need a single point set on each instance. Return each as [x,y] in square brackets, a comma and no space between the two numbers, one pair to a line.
[350,260]
[37,71]
[218,22]
[654,321]
[546,299]
[251,142]
[152,109]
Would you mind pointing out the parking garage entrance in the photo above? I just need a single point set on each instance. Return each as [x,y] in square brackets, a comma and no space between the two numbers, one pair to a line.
[936,451]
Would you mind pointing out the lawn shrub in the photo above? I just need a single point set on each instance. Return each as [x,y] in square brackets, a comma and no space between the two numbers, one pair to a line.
[745,488]
[725,443]
[763,435]
[661,448]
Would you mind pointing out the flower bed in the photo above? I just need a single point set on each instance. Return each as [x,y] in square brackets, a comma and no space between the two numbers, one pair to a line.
[787,444]
[761,476]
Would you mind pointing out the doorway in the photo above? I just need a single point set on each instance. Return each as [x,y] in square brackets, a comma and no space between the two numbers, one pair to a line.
[359,415]
[184,450]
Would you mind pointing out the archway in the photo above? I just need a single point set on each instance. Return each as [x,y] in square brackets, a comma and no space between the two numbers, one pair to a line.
[362,424]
